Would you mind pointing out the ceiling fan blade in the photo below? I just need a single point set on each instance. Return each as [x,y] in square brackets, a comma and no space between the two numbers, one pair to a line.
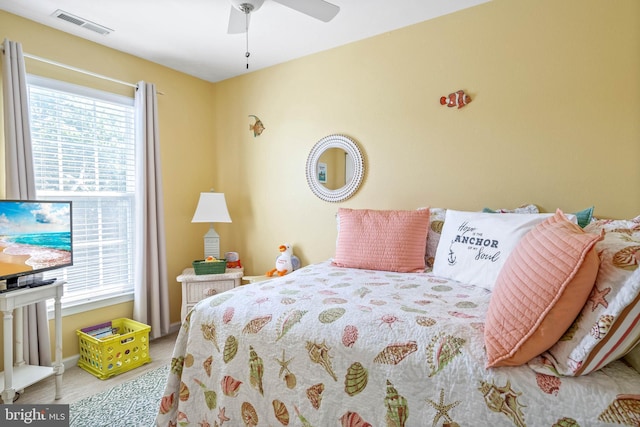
[319,9]
[237,21]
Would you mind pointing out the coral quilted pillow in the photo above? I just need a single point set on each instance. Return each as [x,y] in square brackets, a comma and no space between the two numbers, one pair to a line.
[540,291]
[608,326]
[391,240]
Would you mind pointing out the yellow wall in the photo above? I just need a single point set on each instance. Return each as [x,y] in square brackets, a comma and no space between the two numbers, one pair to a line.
[554,121]
[186,112]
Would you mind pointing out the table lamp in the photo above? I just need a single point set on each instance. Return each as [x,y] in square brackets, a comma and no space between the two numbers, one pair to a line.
[212,207]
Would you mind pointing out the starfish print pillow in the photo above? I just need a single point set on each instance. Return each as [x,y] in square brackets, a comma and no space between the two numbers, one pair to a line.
[608,327]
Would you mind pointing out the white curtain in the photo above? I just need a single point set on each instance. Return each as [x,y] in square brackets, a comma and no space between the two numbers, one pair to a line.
[151,302]
[20,185]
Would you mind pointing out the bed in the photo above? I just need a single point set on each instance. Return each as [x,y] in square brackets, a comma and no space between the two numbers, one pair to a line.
[333,345]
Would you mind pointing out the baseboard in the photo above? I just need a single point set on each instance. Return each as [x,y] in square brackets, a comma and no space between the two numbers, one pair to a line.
[174,327]
[70,362]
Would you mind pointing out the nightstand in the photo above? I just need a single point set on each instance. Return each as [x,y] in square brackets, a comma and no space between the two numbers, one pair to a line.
[196,287]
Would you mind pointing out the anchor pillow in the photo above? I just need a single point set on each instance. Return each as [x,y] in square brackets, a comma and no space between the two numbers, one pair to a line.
[474,246]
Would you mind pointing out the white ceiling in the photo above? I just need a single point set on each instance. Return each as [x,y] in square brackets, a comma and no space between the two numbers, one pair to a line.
[191,35]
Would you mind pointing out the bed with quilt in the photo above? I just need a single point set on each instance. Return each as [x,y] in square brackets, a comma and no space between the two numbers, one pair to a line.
[426,317]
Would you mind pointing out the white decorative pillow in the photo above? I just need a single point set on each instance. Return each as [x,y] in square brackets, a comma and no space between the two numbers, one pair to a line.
[608,326]
[475,245]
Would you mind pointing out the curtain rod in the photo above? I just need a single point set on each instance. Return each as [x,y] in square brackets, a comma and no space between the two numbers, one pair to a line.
[80,70]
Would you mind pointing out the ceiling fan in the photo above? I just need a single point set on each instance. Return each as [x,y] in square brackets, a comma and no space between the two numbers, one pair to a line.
[242,9]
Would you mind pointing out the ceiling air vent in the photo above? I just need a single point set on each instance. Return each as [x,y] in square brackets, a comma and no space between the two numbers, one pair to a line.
[80,22]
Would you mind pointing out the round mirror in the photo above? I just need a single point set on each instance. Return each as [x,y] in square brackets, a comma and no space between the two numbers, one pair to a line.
[335,168]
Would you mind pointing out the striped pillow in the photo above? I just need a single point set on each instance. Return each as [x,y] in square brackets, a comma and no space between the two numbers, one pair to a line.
[608,326]
[390,240]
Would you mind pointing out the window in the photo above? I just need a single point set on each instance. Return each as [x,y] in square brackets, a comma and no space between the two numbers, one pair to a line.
[84,151]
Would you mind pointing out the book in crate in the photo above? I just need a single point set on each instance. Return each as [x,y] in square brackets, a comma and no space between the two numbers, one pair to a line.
[202,266]
[114,347]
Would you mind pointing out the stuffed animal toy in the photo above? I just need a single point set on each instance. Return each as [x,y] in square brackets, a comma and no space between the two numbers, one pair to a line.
[286,262]
[233,260]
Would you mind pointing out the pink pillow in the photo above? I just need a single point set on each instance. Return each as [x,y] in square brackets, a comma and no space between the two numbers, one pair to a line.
[382,240]
[542,287]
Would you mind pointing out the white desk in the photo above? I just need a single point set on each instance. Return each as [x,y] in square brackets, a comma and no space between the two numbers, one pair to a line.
[17,376]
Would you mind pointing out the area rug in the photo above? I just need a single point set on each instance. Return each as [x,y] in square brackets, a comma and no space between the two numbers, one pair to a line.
[131,404]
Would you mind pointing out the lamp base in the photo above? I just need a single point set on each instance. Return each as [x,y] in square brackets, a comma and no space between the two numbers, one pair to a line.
[212,243]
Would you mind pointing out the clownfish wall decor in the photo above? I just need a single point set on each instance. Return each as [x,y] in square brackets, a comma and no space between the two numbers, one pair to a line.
[456,99]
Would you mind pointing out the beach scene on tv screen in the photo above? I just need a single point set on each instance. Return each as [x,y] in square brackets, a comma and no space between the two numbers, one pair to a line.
[34,236]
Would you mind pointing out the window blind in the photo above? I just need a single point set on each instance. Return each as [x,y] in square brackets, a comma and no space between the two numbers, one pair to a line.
[84,151]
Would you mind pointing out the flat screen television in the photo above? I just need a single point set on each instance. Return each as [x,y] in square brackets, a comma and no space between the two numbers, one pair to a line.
[35,236]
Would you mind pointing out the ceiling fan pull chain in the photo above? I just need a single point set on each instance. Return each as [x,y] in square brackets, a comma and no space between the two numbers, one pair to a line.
[247,54]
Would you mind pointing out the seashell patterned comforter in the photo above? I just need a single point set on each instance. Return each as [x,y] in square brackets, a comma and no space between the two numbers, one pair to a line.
[329,346]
